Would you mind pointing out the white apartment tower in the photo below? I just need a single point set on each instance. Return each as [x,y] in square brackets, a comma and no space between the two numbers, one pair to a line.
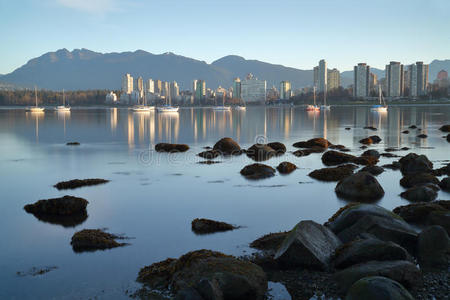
[150,86]
[333,79]
[394,79]
[322,76]
[417,79]
[361,76]
[127,84]
[285,90]
[253,90]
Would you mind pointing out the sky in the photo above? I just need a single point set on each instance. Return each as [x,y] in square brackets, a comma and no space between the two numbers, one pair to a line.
[294,33]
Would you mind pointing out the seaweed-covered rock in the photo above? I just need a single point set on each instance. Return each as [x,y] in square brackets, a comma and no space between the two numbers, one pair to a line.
[445,128]
[63,206]
[280,148]
[377,288]
[308,244]
[76,183]
[373,153]
[374,170]
[94,239]
[402,271]
[202,269]
[332,158]
[413,163]
[433,246]
[419,194]
[209,154]
[316,142]
[362,186]
[271,241]
[368,249]
[166,147]
[257,171]
[445,184]
[419,212]
[286,167]
[205,226]
[260,152]
[417,179]
[227,146]
[333,173]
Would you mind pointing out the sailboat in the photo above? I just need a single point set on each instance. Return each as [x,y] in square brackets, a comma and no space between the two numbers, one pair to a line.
[35,108]
[222,107]
[382,107]
[167,107]
[144,107]
[313,107]
[240,106]
[325,106]
[63,108]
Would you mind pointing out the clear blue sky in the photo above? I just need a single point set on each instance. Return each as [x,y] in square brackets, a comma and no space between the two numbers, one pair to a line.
[294,33]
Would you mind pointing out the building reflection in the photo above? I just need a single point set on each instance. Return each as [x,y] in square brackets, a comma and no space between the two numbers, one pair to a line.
[130,131]
[113,119]
[63,115]
[168,126]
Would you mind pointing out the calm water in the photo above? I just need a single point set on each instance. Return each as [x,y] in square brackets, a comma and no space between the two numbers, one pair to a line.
[153,197]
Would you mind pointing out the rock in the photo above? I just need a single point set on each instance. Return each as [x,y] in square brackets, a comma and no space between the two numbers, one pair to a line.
[94,239]
[412,127]
[426,213]
[411,180]
[209,154]
[166,147]
[402,271]
[394,166]
[413,163]
[209,273]
[433,246]
[374,139]
[306,152]
[334,173]
[365,160]
[260,152]
[445,170]
[404,148]
[389,155]
[374,170]
[361,186]
[445,128]
[337,147]
[76,183]
[205,226]
[316,142]
[73,144]
[441,218]
[363,147]
[405,131]
[63,206]
[419,194]
[271,241]
[309,245]
[373,153]
[364,250]
[370,128]
[257,171]
[286,167]
[391,149]
[377,288]
[280,148]
[445,184]
[227,146]
[347,128]
[422,136]
[188,294]
[448,137]
[332,158]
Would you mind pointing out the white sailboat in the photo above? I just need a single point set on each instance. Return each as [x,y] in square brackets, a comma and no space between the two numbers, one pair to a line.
[313,107]
[382,107]
[63,108]
[325,106]
[35,108]
[240,106]
[167,107]
[144,107]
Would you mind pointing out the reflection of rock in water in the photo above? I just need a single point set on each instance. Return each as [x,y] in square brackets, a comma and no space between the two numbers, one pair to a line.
[66,221]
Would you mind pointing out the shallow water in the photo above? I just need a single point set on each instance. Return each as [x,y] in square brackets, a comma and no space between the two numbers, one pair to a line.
[153,197]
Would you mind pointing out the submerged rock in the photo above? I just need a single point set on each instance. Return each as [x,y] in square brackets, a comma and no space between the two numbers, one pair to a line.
[280,148]
[374,170]
[76,183]
[334,173]
[377,288]
[405,131]
[227,146]
[332,158]
[417,179]
[205,226]
[413,163]
[260,152]
[286,167]
[445,128]
[209,154]
[361,186]
[309,245]
[420,194]
[166,147]
[316,142]
[209,273]
[257,171]
[63,206]
[422,136]
[433,247]
[94,239]
[370,128]
[72,144]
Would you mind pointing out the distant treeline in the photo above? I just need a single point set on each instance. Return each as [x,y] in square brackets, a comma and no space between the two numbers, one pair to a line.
[45,97]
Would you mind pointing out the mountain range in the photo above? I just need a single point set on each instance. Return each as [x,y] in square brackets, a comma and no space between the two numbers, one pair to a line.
[83,69]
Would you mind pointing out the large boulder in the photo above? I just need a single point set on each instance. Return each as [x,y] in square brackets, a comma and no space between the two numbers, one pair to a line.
[332,158]
[441,218]
[260,152]
[94,239]
[257,171]
[445,128]
[286,167]
[402,271]
[333,173]
[433,247]
[377,288]
[271,241]
[280,148]
[420,212]
[374,170]
[364,250]
[374,139]
[417,179]
[445,184]
[209,273]
[414,163]
[309,245]
[205,226]
[420,194]
[166,147]
[63,206]
[227,146]
[316,142]
[373,153]
[362,186]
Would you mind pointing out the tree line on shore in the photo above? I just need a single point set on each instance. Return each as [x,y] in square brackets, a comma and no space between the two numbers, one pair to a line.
[46,97]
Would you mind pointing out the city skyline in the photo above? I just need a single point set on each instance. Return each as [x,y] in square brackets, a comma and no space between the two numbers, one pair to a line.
[110,26]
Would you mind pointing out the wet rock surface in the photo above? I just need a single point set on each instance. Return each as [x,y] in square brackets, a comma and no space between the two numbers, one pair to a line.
[77,183]
[166,147]
[280,148]
[419,194]
[333,173]
[257,171]
[206,226]
[260,152]
[376,288]
[227,146]
[312,143]
[209,154]
[94,239]
[332,158]
[414,163]
[445,184]
[271,241]
[361,186]
[445,128]
[418,179]
[374,139]
[373,153]
[306,152]
[374,170]
[63,206]
[286,167]
[433,248]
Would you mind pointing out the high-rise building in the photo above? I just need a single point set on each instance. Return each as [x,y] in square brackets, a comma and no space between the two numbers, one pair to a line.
[316,76]
[361,76]
[285,90]
[127,84]
[174,89]
[417,79]
[373,82]
[200,90]
[394,79]
[158,87]
[140,86]
[253,90]
[333,79]
[237,88]
[194,86]
[150,86]
[165,89]
[322,76]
